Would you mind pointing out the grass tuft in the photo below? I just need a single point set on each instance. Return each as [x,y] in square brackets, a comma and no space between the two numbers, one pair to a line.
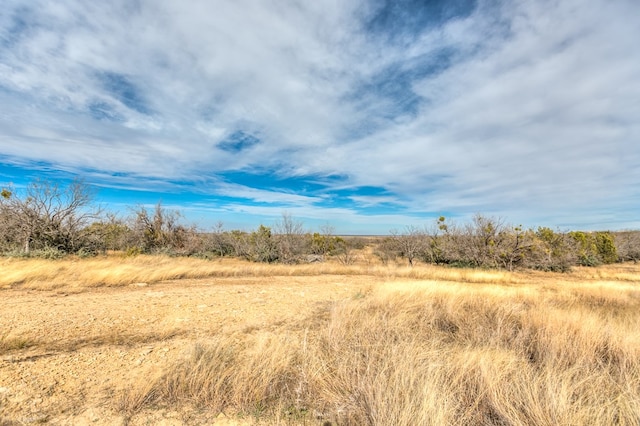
[10,342]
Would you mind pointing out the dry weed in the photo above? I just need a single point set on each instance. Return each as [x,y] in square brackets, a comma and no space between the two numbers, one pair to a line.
[428,353]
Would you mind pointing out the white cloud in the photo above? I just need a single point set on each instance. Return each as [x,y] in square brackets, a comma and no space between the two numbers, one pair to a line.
[530,110]
[264,196]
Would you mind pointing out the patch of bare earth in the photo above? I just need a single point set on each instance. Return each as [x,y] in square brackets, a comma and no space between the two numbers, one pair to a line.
[65,356]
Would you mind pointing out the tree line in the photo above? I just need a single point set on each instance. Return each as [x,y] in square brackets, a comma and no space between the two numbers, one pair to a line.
[489,242]
[49,220]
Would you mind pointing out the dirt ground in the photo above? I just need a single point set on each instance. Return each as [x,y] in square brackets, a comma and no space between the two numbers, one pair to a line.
[74,351]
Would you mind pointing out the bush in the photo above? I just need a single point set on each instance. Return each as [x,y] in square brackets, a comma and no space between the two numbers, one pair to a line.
[47,253]
[606,247]
[133,251]
[84,253]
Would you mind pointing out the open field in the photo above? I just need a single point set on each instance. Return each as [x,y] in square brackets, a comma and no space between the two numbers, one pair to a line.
[154,340]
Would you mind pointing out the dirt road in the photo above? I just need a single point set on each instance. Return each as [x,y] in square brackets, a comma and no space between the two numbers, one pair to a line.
[65,355]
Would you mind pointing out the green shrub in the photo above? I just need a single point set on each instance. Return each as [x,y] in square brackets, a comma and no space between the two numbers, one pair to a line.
[606,247]
[133,251]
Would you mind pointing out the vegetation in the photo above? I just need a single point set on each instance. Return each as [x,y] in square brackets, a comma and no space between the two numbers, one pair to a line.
[455,323]
[48,218]
[423,353]
[408,345]
[49,221]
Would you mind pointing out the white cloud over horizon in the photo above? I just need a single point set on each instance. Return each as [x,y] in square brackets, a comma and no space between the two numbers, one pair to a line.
[527,110]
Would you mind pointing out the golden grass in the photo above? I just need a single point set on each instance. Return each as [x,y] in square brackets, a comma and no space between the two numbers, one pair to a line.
[428,353]
[615,272]
[10,342]
[431,346]
[114,271]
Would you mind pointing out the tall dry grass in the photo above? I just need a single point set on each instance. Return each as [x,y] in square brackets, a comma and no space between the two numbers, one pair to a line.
[114,270]
[427,353]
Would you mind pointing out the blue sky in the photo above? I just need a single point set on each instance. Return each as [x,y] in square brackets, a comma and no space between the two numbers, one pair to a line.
[367,115]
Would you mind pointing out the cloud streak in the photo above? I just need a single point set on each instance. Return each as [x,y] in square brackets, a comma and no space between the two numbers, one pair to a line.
[522,109]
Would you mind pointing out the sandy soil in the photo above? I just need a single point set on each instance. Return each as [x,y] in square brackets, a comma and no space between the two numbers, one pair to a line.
[83,347]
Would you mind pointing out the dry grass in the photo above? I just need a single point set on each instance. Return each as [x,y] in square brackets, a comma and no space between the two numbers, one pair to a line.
[10,342]
[428,353]
[614,272]
[432,346]
[114,271]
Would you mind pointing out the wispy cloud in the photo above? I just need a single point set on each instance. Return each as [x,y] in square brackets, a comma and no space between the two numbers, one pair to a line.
[522,109]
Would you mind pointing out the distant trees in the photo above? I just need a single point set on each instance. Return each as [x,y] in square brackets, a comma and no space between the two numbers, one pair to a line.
[218,242]
[51,220]
[324,243]
[553,251]
[488,242]
[158,229]
[111,233]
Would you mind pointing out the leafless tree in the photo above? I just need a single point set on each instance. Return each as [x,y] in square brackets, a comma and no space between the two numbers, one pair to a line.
[345,252]
[484,237]
[47,215]
[240,243]
[159,229]
[628,244]
[219,241]
[290,239]
[410,244]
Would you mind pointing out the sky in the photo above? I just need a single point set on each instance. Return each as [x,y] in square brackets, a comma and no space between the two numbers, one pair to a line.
[367,115]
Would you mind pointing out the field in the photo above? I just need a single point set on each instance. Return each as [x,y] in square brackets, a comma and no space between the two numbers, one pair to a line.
[157,340]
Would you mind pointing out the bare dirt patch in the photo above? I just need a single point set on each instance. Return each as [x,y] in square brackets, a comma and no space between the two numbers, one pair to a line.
[66,354]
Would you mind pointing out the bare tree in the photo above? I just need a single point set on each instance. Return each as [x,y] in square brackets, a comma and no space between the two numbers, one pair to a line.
[239,241]
[440,242]
[410,244]
[220,241]
[290,238]
[484,237]
[328,240]
[628,244]
[517,247]
[159,229]
[48,215]
[345,251]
